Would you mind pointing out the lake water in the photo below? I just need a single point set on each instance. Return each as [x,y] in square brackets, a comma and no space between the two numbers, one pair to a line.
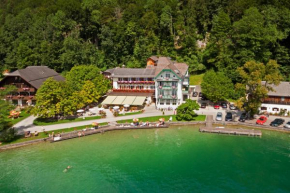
[177,159]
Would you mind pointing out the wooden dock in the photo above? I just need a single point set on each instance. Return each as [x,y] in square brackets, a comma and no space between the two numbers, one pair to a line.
[248,132]
[103,129]
[221,130]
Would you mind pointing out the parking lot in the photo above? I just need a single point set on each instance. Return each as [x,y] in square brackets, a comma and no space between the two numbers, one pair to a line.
[209,110]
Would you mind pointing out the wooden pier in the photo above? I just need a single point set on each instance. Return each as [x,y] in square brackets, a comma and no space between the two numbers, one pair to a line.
[248,132]
[103,129]
[221,130]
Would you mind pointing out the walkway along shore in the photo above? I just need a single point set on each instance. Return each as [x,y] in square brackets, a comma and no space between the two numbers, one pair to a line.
[102,129]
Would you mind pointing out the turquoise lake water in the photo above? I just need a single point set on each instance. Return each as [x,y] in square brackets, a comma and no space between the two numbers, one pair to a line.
[177,159]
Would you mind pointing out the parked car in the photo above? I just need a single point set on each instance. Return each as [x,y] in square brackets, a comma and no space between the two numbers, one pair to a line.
[261,120]
[229,116]
[194,94]
[216,106]
[203,98]
[203,105]
[224,105]
[243,117]
[200,94]
[233,107]
[287,125]
[219,116]
[277,122]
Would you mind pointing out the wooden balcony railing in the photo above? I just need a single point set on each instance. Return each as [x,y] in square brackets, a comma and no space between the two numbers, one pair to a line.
[26,89]
[134,90]
[135,82]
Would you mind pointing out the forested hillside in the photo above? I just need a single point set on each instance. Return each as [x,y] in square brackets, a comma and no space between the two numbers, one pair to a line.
[109,33]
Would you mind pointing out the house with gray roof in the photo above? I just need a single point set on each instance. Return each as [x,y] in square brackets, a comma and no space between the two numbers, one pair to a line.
[278,100]
[27,81]
[163,81]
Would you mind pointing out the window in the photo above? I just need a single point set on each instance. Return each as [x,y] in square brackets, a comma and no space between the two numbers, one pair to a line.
[174,93]
[152,87]
[174,102]
[167,75]
[174,84]
[263,108]
[160,83]
[167,102]
[120,79]
[161,102]
[275,109]
[282,98]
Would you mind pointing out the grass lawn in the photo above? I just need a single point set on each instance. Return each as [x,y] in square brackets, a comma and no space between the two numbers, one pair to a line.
[133,113]
[42,121]
[196,79]
[21,138]
[156,118]
[23,115]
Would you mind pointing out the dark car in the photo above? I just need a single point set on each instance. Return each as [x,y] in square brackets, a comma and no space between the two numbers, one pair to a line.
[277,122]
[194,94]
[243,117]
[229,116]
[200,94]
[203,105]
[203,98]
[224,105]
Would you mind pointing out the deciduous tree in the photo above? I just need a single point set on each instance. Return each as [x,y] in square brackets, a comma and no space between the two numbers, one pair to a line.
[186,110]
[252,74]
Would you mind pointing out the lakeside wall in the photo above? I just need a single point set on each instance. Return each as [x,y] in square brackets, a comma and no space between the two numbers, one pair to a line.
[102,129]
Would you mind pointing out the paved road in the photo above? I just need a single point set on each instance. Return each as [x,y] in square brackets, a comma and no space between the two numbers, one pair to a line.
[27,124]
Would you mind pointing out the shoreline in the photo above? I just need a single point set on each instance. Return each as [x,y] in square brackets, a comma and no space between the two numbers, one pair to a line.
[103,129]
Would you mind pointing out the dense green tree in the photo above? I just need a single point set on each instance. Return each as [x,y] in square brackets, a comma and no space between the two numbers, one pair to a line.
[48,97]
[6,132]
[252,74]
[216,86]
[186,110]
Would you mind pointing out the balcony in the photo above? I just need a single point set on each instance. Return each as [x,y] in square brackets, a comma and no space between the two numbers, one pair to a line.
[26,89]
[185,82]
[136,82]
[17,97]
[167,79]
[135,90]
[167,96]
[167,87]
[184,91]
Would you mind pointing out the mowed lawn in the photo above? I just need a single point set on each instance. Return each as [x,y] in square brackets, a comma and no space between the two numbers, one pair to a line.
[196,79]
[156,118]
[44,121]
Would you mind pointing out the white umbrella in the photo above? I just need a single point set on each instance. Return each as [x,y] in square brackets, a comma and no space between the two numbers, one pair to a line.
[100,109]
[116,107]
[126,105]
[80,111]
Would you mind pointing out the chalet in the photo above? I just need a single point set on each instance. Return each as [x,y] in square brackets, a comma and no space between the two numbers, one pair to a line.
[163,81]
[277,100]
[27,81]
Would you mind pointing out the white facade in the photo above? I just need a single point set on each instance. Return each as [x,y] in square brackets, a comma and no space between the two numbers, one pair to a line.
[170,90]
[273,108]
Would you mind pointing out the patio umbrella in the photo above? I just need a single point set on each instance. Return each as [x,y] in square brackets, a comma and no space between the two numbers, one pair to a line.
[162,119]
[126,105]
[135,120]
[100,109]
[95,124]
[80,111]
[116,107]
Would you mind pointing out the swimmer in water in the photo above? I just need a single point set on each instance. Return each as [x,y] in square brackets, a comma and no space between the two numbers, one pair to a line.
[67,168]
